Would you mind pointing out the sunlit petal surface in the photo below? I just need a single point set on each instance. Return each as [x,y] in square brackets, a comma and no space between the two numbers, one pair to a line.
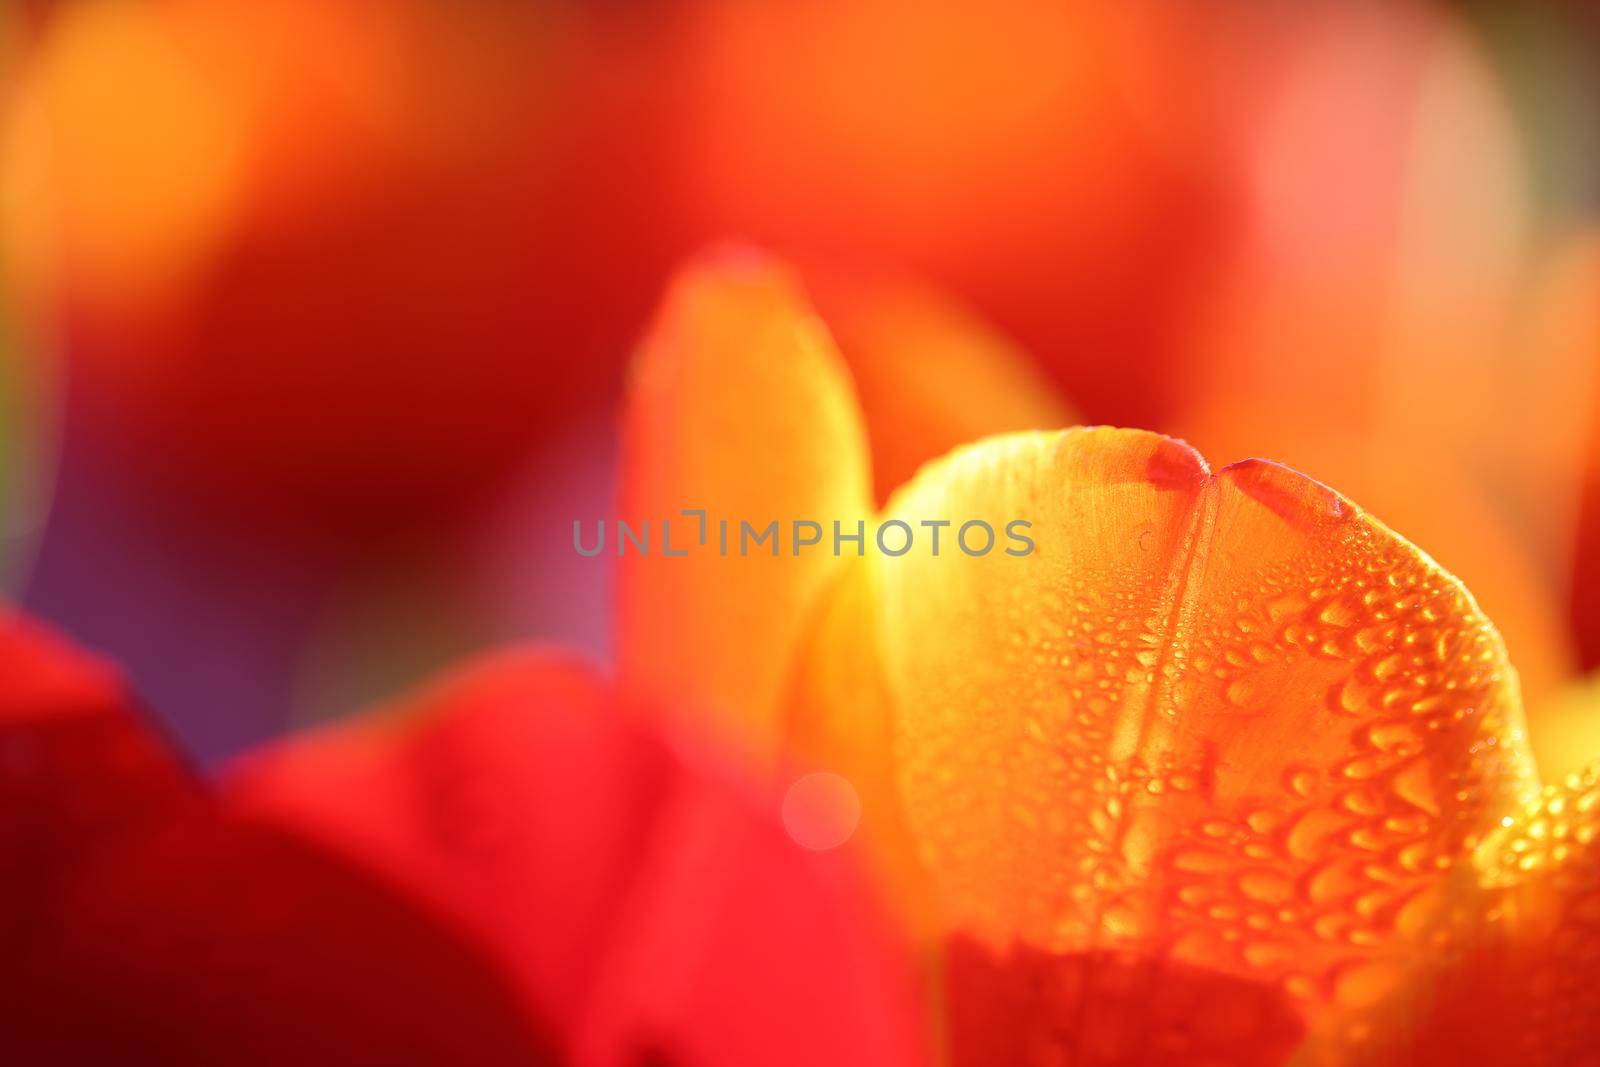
[741,406]
[1215,745]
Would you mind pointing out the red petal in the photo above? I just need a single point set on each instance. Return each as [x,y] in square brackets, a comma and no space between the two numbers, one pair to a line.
[737,947]
[220,940]
[509,797]
[614,878]
[77,767]
[143,925]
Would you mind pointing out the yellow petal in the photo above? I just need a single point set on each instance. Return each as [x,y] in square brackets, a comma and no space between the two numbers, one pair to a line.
[739,406]
[1218,723]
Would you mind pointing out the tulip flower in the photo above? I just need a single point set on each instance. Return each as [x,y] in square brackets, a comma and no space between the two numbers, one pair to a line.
[508,868]
[1223,770]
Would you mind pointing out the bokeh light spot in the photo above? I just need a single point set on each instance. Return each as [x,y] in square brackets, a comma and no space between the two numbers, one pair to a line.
[821,811]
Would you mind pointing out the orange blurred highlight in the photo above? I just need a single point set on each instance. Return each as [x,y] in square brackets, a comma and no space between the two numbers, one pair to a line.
[930,374]
[1048,161]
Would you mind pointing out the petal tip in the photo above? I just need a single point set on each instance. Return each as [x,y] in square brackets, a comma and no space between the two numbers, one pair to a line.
[1175,464]
[1294,497]
[1127,455]
[736,261]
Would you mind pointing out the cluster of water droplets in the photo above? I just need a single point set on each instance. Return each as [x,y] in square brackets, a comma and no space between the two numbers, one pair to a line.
[1309,879]
[1070,656]
[1325,881]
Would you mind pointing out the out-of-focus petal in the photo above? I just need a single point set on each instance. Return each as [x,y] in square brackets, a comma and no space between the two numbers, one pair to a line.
[930,374]
[741,406]
[218,939]
[1564,731]
[144,925]
[508,795]
[838,717]
[738,946]
[78,768]
[1218,738]
[26,407]
[1522,989]
[649,906]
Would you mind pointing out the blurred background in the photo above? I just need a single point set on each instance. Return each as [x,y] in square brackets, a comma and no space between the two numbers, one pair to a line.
[314,316]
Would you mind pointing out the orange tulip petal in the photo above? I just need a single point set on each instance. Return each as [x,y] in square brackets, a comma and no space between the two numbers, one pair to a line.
[741,406]
[1465,527]
[1223,722]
